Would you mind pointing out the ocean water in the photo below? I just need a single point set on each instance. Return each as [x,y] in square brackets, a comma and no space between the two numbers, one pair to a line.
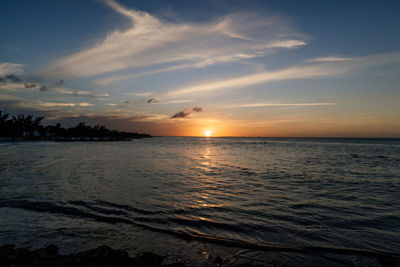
[271,201]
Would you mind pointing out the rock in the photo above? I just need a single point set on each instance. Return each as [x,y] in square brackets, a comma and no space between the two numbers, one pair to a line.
[218,260]
[148,259]
[176,264]
[98,257]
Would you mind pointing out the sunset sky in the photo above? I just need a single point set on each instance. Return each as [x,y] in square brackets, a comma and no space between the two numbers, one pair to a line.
[226,68]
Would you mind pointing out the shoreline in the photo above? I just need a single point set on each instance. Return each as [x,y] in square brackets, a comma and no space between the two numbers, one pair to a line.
[104,255]
[100,256]
[10,255]
[78,139]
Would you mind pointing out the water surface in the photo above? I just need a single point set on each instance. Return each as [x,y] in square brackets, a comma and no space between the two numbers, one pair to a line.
[196,198]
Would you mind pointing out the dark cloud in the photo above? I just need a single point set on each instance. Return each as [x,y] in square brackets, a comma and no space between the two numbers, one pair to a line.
[13,78]
[181,114]
[30,85]
[43,88]
[152,100]
[186,112]
[10,78]
[127,102]
[61,82]
[15,106]
[197,109]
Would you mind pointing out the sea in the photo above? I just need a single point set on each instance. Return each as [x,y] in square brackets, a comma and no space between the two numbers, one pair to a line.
[208,201]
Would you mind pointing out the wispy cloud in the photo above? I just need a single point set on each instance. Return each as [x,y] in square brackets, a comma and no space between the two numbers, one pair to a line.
[11,68]
[186,112]
[151,100]
[67,91]
[150,41]
[197,109]
[322,69]
[255,105]
[177,101]
[301,72]
[216,59]
[55,104]
[329,59]
[12,87]
[30,85]
[181,114]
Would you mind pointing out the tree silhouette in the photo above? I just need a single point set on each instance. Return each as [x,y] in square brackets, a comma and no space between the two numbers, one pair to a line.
[27,126]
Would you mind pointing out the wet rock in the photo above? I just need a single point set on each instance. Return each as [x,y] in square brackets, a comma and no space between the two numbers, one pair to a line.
[176,264]
[101,256]
[148,259]
[248,265]
[218,260]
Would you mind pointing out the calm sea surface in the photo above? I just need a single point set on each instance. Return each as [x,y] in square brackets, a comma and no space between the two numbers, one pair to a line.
[268,201]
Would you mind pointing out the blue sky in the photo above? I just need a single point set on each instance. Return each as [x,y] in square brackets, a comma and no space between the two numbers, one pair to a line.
[235,68]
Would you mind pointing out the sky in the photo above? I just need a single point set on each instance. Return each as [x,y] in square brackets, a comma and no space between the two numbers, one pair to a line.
[191,68]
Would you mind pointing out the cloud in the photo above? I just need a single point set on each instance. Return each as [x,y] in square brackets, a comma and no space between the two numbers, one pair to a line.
[177,101]
[197,109]
[150,42]
[10,68]
[55,104]
[286,105]
[322,69]
[186,112]
[14,82]
[30,85]
[59,83]
[13,78]
[301,72]
[43,88]
[329,59]
[12,86]
[151,100]
[180,114]
[10,78]
[67,91]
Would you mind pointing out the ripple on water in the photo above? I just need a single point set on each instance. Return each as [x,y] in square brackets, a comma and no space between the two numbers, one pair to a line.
[287,192]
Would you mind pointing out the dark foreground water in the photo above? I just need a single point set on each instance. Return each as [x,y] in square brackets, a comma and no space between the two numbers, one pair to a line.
[269,201]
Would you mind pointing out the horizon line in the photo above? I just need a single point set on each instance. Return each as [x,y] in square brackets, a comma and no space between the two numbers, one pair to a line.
[293,137]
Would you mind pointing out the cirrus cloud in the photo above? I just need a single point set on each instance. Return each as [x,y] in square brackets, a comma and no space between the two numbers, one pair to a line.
[151,42]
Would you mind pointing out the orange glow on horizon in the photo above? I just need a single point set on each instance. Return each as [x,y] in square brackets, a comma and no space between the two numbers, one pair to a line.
[284,127]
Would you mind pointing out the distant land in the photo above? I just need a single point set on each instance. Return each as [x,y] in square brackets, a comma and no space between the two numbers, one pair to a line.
[26,127]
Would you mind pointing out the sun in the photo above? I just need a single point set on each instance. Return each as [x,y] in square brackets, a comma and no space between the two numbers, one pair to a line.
[207,133]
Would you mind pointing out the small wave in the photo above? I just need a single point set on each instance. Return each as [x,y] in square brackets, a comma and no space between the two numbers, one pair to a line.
[77,213]
[56,209]
[97,209]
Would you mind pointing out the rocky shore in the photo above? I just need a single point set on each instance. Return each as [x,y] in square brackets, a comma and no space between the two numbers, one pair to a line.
[101,256]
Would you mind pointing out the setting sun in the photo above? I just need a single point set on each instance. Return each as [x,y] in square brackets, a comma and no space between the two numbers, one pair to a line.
[207,133]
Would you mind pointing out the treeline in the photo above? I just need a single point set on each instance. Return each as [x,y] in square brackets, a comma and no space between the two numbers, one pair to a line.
[29,127]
